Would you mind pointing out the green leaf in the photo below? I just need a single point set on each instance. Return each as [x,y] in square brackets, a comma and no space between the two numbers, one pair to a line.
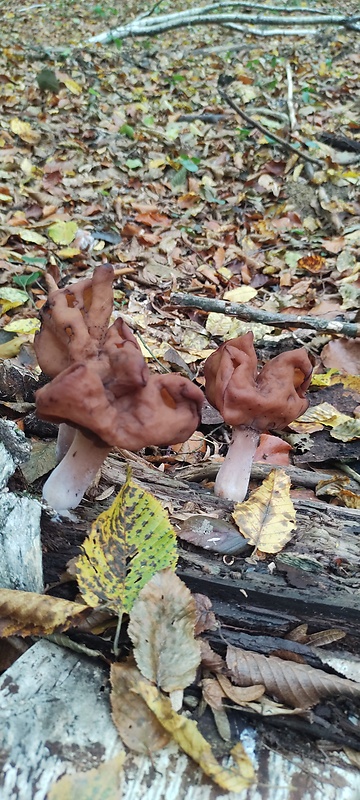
[179,177]
[128,131]
[26,280]
[191,164]
[127,545]
[63,232]
[133,163]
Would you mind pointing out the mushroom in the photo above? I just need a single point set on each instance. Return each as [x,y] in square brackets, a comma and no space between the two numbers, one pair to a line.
[106,412]
[252,402]
[74,327]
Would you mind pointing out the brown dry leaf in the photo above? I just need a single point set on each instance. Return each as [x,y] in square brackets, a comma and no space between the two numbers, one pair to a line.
[205,617]
[312,263]
[297,685]
[137,726]
[298,634]
[241,695]
[31,614]
[185,732]
[162,623]
[322,638]
[353,756]
[209,659]
[212,693]
[344,355]
[267,519]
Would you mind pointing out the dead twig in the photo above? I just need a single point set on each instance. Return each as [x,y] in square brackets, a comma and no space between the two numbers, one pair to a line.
[250,121]
[289,99]
[250,314]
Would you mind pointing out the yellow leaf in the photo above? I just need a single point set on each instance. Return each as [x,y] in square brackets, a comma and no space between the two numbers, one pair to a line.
[155,163]
[187,735]
[267,519]
[73,87]
[31,236]
[24,326]
[11,348]
[128,543]
[101,782]
[332,377]
[69,252]
[6,198]
[63,232]
[161,628]
[242,294]
[31,614]
[11,298]
[24,131]
[345,428]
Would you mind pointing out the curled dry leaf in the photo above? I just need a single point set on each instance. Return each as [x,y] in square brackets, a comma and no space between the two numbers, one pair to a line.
[267,519]
[31,614]
[241,695]
[212,693]
[137,726]
[205,617]
[161,628]
[297,685]
[185,732]
[209,659]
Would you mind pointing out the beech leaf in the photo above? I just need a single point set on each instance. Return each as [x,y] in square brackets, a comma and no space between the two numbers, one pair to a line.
[297,685]
[25,131]
[185,732]
[127,545]
[161,628]
[267,519]
[63,232]
[32,614]
[344,428]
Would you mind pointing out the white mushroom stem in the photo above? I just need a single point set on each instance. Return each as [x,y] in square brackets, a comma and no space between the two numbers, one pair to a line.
[67,484]
[234,474]
[65,438]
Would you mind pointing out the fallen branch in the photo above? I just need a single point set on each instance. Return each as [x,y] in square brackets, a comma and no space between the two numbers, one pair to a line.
[250,121]
[250,314]
[289,99]
[272,17]
[299,477]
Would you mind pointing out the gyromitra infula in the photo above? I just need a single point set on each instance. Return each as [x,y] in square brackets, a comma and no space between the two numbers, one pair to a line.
[252,402]
[102,388]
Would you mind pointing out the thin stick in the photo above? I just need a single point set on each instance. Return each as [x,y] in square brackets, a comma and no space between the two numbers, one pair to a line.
[249,314]
[116,648]
[289,99]
[259,471]
[286,145]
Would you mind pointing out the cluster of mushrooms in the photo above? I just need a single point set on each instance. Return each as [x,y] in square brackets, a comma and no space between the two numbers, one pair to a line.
[102,394]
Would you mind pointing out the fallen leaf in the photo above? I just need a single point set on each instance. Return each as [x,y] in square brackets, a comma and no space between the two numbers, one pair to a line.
[312,263]
[136,724]
[11,298]
[31,614]
[272,450]
[205,617]
[73,86]
[128,543]
[344,355]
[63,232]
[240,295]
[101,782]
[297,685]
[24,131]
[210,533]
[209,659]
[344,428]
[267,519]
[161,628]
[241,695]
[185,732]
[24,326]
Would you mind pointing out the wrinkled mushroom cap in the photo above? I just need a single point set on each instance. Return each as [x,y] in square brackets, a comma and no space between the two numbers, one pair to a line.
[165,411]
[74,321]
[271,399]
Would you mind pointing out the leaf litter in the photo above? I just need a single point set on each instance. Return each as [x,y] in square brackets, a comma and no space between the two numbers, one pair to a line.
[100,165]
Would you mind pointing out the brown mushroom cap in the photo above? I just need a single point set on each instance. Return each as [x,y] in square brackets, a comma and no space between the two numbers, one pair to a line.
[165,411]
[271,399]
[74,321]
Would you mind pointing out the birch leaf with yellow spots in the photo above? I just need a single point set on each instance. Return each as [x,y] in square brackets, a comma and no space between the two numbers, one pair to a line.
[127,545]
[185,732]
[267,519]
